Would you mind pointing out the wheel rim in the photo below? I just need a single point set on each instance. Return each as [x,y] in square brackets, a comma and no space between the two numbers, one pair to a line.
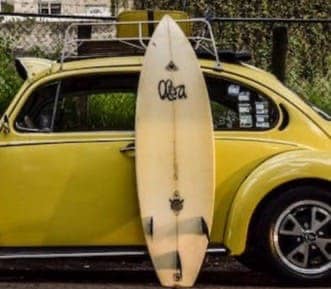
[302,237]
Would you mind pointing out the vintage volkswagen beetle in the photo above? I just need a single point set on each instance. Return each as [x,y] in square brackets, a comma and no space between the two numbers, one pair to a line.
[68,178]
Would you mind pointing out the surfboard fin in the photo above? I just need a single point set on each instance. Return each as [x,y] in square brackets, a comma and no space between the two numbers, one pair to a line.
[151,227]
[204,228]
[178,275]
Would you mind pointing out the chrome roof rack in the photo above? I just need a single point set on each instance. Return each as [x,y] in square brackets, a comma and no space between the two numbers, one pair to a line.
[202,37]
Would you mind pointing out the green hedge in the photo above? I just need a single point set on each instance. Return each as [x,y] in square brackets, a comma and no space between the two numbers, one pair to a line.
[9,80]
[112,111]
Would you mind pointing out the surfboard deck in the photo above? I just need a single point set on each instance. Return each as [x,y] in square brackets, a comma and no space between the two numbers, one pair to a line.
[174,156]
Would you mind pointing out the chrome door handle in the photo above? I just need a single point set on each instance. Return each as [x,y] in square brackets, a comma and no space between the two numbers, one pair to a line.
[129,148]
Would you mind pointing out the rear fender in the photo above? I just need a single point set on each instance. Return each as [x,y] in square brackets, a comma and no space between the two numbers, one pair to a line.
[279,170]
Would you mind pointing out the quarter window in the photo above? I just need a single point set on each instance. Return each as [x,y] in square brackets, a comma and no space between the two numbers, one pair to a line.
[237,107]
[37,113]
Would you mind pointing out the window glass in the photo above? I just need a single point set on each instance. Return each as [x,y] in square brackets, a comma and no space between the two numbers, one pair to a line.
[96,112]
[235,106]
[49,8]
[85,103]
[107,103]
[37,113]
[97,103]
[55,8]
[43,9]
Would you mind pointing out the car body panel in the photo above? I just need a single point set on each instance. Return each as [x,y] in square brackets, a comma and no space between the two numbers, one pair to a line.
[91,203]
[281,169]
[82,188]
[229,176]
[77,194]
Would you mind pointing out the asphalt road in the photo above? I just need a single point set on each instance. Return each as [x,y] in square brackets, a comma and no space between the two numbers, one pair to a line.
[109,273]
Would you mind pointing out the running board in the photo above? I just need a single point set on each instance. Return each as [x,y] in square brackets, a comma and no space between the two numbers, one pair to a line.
[50,253]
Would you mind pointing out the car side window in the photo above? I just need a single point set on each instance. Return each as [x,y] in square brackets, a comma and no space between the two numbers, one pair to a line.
[237,107]
[83,103]
[97,103]
[37,113]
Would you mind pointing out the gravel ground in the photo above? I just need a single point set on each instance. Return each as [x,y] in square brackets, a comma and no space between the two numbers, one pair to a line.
[109,273]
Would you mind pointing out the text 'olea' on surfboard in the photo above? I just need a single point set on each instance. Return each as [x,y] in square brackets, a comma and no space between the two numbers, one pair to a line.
[174,156]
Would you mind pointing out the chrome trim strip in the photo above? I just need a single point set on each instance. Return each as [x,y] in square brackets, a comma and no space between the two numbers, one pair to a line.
[217,251]
[7,256]
[71,255]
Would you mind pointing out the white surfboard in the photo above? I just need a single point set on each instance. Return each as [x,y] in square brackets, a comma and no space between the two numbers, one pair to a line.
[174,156]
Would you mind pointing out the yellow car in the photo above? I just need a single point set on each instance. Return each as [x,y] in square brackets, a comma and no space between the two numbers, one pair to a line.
[68,177]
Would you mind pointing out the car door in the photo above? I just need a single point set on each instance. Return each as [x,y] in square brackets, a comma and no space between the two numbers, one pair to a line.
[68,176]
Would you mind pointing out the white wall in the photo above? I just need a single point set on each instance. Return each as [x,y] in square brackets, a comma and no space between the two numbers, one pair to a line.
[75,7]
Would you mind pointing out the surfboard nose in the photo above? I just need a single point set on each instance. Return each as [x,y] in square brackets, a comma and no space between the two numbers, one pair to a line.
[166,18]
[169,22]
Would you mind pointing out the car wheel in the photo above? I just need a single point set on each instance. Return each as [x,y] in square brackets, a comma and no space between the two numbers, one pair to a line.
[296,234]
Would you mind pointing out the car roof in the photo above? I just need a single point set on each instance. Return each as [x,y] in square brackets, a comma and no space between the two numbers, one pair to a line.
[37,68]
[238,68]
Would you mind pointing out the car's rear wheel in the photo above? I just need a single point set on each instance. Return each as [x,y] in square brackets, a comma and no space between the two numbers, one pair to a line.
[293,235]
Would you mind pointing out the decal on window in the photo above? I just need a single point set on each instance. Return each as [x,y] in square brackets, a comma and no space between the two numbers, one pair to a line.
[262,107]
[233,90]
[263,125]
[244,96]
[246,121]
[262,121]
[262,118]
[245,108]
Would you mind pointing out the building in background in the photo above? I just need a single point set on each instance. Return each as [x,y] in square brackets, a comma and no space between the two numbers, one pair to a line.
[68,7]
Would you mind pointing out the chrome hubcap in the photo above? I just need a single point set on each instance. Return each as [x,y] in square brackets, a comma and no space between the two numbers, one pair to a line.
[309,237]
[302,237]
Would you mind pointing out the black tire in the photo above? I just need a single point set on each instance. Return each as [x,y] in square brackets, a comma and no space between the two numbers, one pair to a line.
[252,260]
[289,242]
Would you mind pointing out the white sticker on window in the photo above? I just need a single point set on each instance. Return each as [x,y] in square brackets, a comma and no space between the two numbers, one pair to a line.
[262,107]
[245,108]
[263,125]
[262,118]
[246,121]
[233,90]
[244,96]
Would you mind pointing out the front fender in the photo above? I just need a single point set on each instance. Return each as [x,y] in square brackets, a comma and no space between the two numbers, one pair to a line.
[274,172]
